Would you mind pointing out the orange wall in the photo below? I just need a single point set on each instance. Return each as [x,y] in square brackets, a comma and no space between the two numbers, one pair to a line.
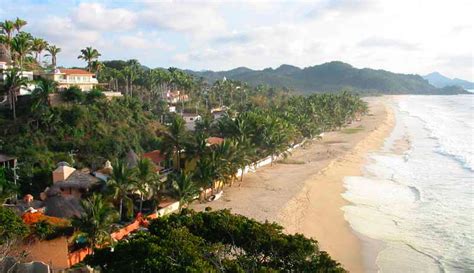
[53,252]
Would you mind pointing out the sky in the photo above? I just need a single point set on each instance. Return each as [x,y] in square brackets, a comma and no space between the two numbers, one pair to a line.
[403,36]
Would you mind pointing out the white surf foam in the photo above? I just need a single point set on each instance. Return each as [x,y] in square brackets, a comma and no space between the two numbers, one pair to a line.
[420,203]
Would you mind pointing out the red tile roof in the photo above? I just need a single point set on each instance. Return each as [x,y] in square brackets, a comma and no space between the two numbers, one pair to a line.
[214,140]
[155,156]
[75,72]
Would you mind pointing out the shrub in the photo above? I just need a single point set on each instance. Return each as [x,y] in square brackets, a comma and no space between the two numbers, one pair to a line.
[94,95]
[47,231]
[43,229]
[73,94]
[11,225]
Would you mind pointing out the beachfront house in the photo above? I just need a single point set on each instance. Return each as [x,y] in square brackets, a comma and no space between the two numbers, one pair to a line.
[66,78]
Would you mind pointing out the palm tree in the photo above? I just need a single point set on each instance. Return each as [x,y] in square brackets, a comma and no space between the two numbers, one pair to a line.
[131,74]
[146,179]
[21,46]
[96,219]
[53,52]
[7,27]
[185,190]
[41,103]
[121,184]
[175,138]
[245,154]
[89,54]
[12,84]
[39,45]
[97,66]
[19,24]
[206,172]
[225,161]
[40,94]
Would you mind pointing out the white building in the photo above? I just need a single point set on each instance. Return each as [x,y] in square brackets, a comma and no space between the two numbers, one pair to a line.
[5,63]
[219,112]
[66,78]
[190,120]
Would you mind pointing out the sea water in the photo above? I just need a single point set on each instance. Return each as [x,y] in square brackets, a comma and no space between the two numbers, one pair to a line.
[418,202]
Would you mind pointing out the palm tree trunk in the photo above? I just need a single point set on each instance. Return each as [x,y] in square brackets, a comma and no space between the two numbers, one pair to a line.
[121,208]
[14,105]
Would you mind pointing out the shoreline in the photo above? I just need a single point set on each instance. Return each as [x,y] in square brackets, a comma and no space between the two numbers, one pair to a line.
[305,196]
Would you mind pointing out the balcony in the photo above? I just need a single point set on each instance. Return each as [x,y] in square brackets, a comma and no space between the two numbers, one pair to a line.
[75,81]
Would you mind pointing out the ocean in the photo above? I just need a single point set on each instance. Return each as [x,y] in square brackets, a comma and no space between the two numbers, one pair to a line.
[414,203]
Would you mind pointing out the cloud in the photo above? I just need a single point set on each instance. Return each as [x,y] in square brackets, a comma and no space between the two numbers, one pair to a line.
[142,41]
[380,42]
[401,36]
[463,61]
[63,31]
[236,37]
[198,19]
[339,7]
[96,16]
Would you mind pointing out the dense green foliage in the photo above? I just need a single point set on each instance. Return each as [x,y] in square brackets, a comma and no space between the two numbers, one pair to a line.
[83,134]
[214,242]
[8,189]
[11,225]
[95,221]
[44,230]
[329,77]
[73,94]
[271,131]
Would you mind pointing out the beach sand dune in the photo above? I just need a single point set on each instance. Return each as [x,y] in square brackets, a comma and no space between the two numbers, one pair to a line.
[303,194]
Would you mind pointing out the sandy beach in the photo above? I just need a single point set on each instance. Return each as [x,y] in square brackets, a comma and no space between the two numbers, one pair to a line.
[303,193]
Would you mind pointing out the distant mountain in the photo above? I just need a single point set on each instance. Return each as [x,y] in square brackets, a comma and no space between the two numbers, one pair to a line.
[441,81]
[330,77]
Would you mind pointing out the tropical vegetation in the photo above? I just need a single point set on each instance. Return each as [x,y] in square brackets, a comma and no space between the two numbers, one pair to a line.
[87,129]
[214,242]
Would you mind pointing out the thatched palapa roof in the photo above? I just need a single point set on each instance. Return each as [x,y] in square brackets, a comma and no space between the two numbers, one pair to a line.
[63,206]
[78,180]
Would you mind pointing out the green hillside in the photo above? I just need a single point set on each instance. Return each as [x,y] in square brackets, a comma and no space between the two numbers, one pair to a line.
[332,76]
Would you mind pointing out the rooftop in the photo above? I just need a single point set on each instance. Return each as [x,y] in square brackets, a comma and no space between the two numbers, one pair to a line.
[74,71]
[214,140]
[155,156]
[4,158]
[78,180]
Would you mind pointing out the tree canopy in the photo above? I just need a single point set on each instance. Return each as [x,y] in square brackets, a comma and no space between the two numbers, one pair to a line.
[214,242]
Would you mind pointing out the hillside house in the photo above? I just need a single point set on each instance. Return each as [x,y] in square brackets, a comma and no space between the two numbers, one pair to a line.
[6,63]
[71,181]
[190,120]
[66,78]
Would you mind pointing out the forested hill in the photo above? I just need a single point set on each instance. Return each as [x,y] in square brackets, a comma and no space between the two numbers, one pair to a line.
[332,76]
[439,80]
